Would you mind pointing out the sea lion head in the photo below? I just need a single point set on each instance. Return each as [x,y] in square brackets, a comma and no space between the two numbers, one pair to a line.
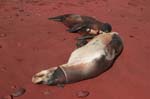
[105,28]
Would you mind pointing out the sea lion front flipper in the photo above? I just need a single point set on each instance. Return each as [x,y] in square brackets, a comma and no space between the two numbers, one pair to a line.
[78,27]
[86,37]
[81,43]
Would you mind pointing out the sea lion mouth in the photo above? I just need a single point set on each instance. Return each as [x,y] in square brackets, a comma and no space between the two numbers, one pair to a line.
[92,31]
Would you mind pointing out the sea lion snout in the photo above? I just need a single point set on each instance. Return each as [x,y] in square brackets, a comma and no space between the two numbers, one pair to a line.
[106,27]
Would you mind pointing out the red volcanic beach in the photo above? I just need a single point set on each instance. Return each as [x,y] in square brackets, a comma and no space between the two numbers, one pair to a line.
[29,43]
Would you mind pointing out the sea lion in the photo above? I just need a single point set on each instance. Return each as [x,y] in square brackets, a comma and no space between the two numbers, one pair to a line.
[88,26]
[86,62]
[85,24]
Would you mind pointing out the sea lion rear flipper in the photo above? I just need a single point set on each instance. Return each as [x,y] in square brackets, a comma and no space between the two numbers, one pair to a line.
[57,18]
[78,27]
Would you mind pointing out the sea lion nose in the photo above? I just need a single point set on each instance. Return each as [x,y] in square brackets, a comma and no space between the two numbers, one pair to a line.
[106,27]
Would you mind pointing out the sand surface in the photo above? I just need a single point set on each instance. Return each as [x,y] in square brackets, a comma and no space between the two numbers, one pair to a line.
[29,43]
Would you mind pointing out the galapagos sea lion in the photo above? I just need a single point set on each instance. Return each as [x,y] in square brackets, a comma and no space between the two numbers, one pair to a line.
[82,24]
[77,23]
[86,62]
[88,26]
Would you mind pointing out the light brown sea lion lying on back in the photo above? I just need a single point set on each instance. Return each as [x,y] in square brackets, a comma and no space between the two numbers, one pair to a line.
[85,62]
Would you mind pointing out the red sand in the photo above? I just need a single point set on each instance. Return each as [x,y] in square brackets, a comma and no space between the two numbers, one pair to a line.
[32,43]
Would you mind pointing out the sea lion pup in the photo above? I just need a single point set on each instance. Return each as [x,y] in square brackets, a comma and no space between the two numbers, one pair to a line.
[77,23]
[85,62]
[88,26]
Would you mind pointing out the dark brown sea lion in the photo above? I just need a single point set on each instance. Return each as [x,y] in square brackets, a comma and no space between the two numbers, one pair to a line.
[86,25]
[78,23]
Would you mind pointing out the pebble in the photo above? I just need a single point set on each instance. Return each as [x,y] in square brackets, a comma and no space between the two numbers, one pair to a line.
[3,69]
[14,87]
[60,85]
[49,32]
[54,8]
[3,35]
[21,19]
[19,59]
[122,15]
[21,10]
[28,14]
[18,92]
[109,10]
[131,36]
[19,44]
[132,4]
[41,4]
[46,92]
[141,9]
[15,8]
[17,14]
[0,46]
[105,0]
[7,97]
[82,94]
